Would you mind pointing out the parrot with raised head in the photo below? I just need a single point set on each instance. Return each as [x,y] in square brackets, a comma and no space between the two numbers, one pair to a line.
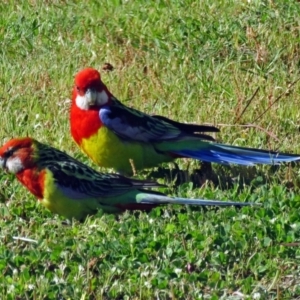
[125,139]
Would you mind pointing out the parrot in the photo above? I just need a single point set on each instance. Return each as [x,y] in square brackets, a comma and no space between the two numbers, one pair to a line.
[125,139]
[69,188]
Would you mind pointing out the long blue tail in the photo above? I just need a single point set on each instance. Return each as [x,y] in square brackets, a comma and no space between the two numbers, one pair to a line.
[146,198]
[226,154]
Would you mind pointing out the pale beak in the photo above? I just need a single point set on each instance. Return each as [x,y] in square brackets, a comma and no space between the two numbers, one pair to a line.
[91,96]
[3,162]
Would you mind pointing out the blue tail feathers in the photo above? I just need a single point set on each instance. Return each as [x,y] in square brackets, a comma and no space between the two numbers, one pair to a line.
[226,154]
[146,198]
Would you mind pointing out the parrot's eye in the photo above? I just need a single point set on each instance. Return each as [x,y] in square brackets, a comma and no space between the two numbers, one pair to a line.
[77,88]
[9,152]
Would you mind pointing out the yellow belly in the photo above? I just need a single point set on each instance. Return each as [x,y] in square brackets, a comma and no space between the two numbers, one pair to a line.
[57,202]
[107,150]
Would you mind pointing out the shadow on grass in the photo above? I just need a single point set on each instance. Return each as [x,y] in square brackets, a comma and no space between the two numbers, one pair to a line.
[225,177]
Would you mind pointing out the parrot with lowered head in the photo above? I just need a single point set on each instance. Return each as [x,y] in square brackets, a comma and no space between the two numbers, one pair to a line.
[70,188]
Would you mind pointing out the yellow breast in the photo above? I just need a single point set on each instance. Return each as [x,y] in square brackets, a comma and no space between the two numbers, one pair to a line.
[58,202]
[107,150]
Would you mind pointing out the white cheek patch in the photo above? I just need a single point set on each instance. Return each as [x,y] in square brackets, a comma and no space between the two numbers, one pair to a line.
[14,165]
[86,101]
[82,102]
[102,98]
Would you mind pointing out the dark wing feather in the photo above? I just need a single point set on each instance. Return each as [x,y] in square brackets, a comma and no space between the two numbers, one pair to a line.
[79,179]
[82,181]
[131,124]
[192,129]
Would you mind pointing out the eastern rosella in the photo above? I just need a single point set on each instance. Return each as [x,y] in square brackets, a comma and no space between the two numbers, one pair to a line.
[119,137]
[69,188]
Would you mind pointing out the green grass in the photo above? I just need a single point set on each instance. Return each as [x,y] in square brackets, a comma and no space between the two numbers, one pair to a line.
[191,61]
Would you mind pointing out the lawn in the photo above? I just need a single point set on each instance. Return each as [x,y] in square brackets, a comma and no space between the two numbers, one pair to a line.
[233,64]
